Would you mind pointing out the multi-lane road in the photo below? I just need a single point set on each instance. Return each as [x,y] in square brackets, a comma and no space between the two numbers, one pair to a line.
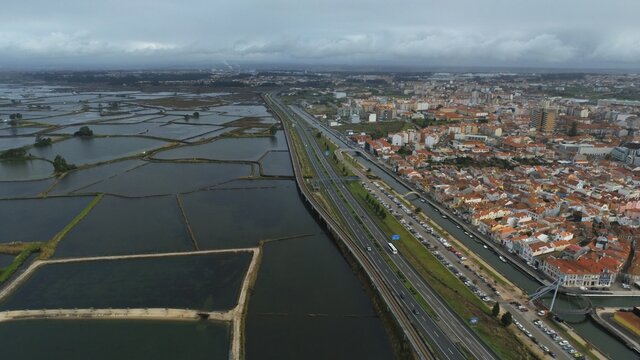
[446,335]
[526,320]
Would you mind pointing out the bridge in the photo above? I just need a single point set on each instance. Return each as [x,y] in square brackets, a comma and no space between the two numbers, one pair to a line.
[555,287]
[410,193]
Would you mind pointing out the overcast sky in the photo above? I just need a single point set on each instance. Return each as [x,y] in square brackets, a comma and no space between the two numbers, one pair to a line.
[135,33]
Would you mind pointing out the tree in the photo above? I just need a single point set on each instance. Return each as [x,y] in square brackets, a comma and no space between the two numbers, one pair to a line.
[16,153]
[84,131]
[60,165]
[496,310]
[196,115]
[506,319]
[273,129]
[42,141]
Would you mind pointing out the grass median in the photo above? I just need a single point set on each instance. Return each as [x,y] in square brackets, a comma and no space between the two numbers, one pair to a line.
[459,298]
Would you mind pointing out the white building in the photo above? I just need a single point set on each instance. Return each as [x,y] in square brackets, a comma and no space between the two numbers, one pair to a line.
[431,140]
[398,139]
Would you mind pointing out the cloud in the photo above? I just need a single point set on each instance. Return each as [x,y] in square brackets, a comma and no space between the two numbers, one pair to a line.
[416,32]
[624,47]
[425,45]
[75,44]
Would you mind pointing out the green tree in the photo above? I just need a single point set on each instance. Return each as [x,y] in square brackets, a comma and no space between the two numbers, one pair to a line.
[60,165]
[495,311]
[196,115]
[42,141]
[84,131]
[506,319]
[17,153]
[273,129]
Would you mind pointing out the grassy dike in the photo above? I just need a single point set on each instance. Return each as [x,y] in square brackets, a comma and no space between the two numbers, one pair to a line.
[49,248]
[22,252]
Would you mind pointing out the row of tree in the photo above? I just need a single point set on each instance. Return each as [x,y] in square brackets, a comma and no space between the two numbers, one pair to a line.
[377,208]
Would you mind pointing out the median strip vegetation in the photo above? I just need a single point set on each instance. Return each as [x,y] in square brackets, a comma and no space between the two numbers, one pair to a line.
[461,300]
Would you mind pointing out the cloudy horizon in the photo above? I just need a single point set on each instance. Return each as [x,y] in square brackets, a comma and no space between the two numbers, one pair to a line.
[498,33]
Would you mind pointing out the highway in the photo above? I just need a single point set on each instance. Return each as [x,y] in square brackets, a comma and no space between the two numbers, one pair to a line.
[428,208]
[446,334]
[375,275]
[449,323]
[397,305]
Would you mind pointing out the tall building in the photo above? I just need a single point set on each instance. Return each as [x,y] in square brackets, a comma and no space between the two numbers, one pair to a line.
[544,119]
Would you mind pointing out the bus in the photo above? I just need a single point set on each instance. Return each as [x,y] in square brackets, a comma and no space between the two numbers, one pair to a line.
[393,249]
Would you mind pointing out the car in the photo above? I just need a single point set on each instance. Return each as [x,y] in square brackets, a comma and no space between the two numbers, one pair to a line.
[544,348]
[415,311]
[552,354]
[368,248]
[542,313]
